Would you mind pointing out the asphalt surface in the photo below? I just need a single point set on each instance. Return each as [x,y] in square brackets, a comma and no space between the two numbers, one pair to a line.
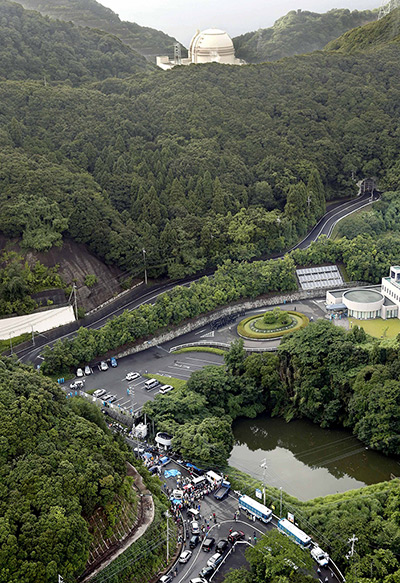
[141,295]
[158,360]
[224,511]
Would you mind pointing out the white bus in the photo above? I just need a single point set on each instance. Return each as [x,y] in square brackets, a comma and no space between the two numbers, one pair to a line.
[293,532]
[255,508]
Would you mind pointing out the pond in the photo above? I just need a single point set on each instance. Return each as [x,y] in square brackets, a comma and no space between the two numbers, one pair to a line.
[305,460]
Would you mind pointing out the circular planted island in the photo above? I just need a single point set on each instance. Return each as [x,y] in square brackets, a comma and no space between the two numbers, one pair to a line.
[271,324]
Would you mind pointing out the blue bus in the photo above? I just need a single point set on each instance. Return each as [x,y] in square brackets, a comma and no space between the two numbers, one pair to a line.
[255,508]
[297,535]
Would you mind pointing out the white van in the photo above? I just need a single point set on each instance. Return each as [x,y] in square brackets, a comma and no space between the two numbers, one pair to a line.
[165,389]
[151,384]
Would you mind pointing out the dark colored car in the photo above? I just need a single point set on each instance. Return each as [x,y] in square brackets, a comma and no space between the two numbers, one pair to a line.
[194,541]
[206,572]
[208,543]
[236,535]
[222,545]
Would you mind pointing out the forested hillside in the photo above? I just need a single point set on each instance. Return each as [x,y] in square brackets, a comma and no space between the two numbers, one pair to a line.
[58,464]
[199,164]
[369,37]
[146,41]
[298,32]
[34,47]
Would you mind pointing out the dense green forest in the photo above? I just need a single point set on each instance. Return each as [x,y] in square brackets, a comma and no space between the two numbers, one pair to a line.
[34,47]
[200,164]
[298,32]
[368,37]
[58,464]
[20,279]
[367,257]
[146,41]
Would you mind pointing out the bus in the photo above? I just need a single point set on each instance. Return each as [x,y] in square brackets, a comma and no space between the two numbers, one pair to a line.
[297,535]
[255,508]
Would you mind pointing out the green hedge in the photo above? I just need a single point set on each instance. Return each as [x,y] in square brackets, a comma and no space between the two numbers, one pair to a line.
[267,335]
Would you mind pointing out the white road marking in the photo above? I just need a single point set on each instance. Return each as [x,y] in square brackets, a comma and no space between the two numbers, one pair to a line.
[200,331]
[201,360]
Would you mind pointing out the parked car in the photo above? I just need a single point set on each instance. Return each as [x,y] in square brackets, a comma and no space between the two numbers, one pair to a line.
[195,527]
[79,372]
[215,560]
[198,580]
[185,556]
[103,365]
[107,396]
[112,398]
[113,361]
[165,389]
[88,370]
[131,376]
[77,385]
[206,572]
[99,393]
[208,544]
[236,535]
[222,545]
[194,541]
[166,579]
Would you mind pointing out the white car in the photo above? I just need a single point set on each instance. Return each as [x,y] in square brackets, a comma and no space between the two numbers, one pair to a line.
[195,527]
[198,580]
[99,393]
[165,389]
[320,556]
[103,365]
[77,385]
[79,372]
[88,370]
[185,556]
[131,376]
[215,560]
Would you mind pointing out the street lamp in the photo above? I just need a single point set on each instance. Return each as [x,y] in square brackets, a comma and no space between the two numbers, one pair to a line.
[145,268]
[264,466]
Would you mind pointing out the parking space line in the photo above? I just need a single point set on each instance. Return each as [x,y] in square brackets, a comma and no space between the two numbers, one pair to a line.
[177,376]
[206,361]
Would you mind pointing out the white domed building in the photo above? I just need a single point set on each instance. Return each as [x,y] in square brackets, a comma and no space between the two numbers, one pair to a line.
[209,46]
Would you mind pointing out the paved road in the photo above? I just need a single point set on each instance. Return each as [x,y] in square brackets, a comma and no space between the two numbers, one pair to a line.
[141,295]
[158,360]
[224,511]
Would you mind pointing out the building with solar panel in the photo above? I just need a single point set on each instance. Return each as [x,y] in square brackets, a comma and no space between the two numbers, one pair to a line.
[367,303]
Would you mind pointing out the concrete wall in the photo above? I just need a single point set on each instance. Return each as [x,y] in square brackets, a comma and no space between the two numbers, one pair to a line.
[38,322]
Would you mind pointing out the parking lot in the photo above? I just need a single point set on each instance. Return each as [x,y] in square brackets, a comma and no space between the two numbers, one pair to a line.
[131,395]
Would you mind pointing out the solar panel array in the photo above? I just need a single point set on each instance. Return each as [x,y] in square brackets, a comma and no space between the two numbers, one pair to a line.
[318,277]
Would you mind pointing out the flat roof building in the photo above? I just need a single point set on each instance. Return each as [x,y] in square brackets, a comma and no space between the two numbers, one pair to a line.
[367,303]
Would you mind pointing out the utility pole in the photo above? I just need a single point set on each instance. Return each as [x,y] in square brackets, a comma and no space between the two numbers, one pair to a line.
[33,337]
[280,514]
[145,267]
[10,344]
[308,201]
[350,554]
[167,514]
[75,301]
[264,466]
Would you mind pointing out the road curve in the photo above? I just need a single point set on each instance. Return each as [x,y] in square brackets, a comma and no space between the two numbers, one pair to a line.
[142,295]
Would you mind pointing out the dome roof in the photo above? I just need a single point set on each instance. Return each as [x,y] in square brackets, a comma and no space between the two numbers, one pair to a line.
[211,45]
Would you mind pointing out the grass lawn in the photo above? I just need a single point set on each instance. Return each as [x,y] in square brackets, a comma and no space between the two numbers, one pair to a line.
[176,383]
[378,327]
[212,349]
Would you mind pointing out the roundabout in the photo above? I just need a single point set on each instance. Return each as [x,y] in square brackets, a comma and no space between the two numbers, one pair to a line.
[272,324]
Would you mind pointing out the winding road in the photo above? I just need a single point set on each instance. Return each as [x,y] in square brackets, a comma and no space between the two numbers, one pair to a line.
[142,295]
